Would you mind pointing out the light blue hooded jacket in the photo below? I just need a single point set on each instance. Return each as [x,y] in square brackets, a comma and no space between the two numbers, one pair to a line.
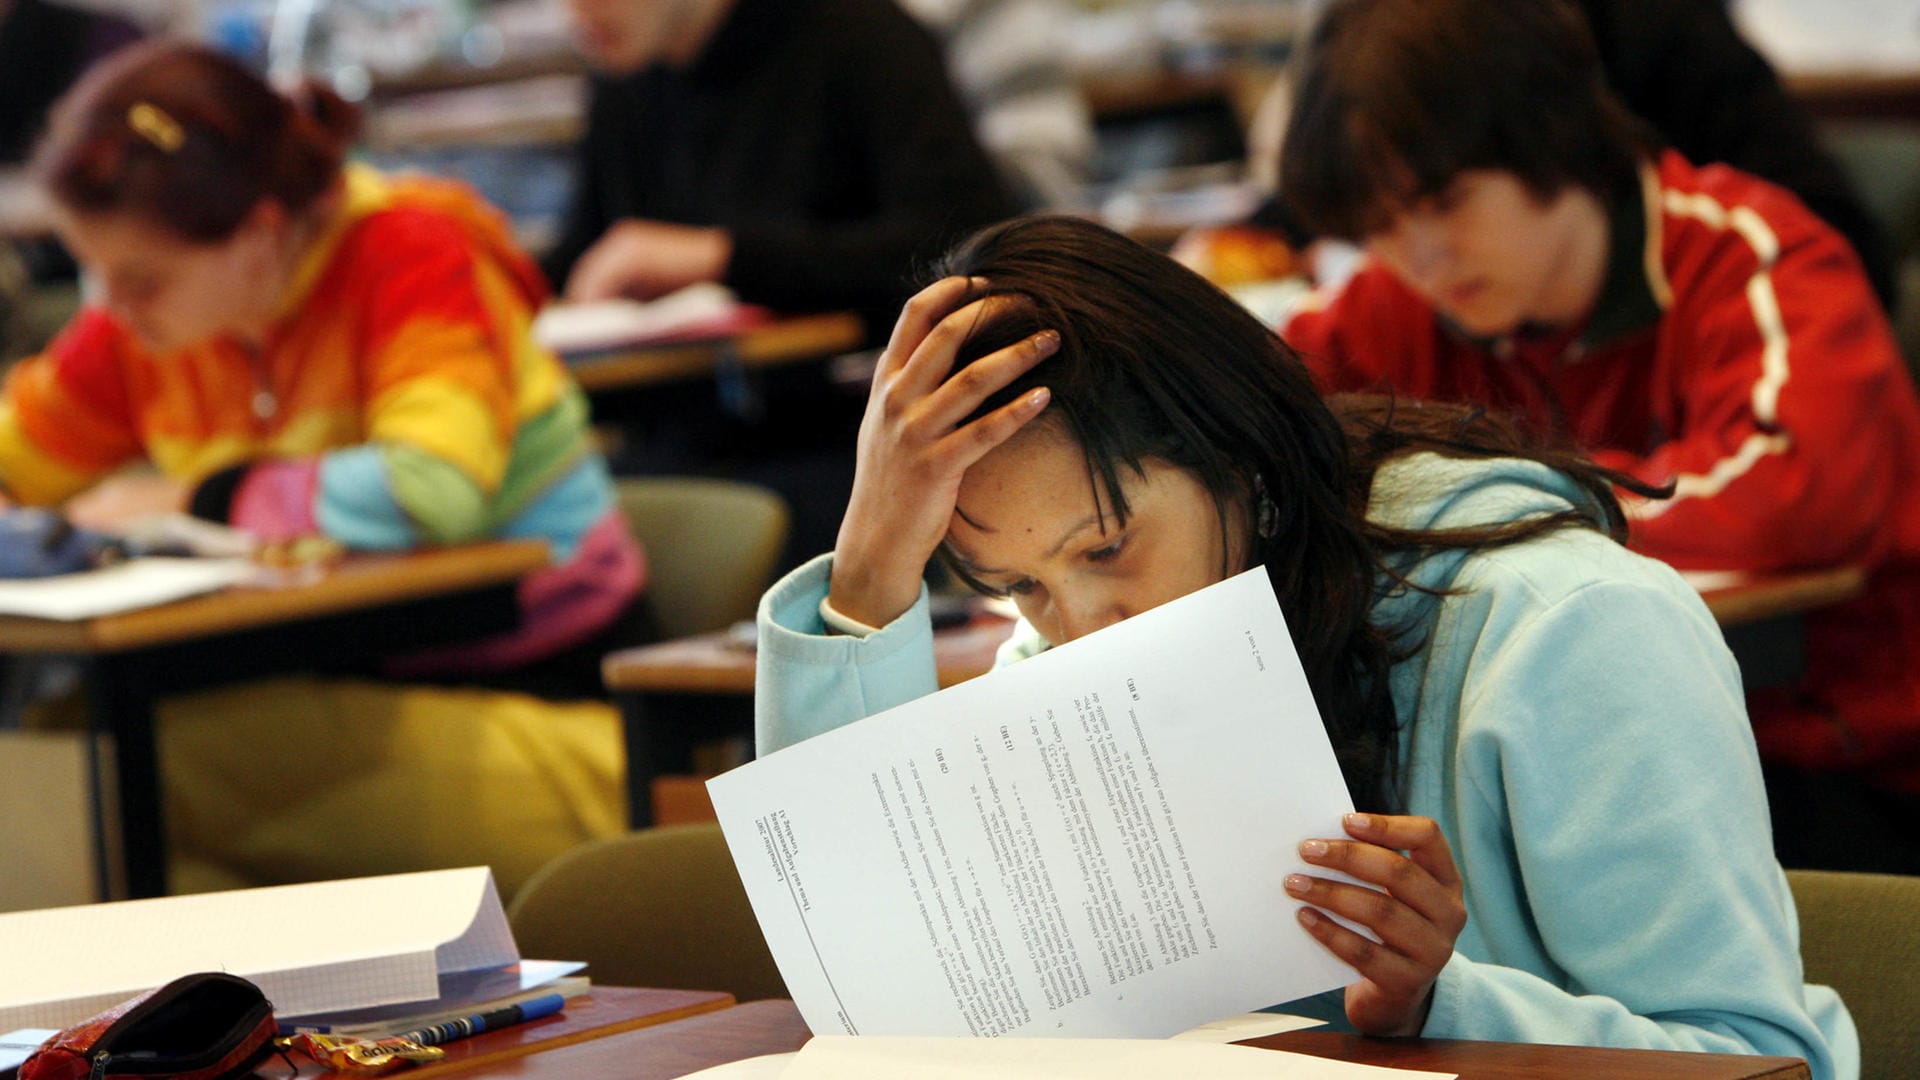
[1576,726]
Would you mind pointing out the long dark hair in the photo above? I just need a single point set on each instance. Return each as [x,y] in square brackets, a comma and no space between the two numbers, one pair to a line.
[190,140]
[1155,362]
[1395,98]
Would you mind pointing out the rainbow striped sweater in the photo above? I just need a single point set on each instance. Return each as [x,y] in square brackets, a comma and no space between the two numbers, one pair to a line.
[399,401]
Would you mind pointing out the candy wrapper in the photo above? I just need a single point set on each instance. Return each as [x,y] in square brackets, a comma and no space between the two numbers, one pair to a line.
[361,1057]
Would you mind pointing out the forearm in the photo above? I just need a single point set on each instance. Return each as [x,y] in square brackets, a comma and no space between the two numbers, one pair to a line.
[369,497]
[810,681]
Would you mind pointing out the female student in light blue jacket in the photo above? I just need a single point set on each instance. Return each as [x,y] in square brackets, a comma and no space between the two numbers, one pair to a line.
[1563,832]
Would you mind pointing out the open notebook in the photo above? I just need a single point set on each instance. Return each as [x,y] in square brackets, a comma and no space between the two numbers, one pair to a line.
[697,312]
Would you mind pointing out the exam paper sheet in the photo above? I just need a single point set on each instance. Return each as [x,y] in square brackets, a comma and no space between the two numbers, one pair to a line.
[1087,843]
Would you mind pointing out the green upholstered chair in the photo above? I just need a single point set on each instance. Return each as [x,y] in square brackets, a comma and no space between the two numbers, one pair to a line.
[1860,934]
[658,907]
[711,547]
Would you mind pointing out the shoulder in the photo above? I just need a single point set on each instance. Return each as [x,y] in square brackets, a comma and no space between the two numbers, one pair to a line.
[1716,218]
[1578,568]
[89,354]
[394,236]
[1574,578]
[1371,306]
[418,229]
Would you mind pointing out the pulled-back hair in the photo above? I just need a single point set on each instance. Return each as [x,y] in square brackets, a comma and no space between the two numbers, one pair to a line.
[1393,99]
[190,140]
[1155,362]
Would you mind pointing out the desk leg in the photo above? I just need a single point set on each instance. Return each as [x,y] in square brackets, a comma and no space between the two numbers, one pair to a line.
[123,698]
[661,731]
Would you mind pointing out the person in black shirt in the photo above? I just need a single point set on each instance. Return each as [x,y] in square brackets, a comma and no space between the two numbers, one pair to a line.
[808,154]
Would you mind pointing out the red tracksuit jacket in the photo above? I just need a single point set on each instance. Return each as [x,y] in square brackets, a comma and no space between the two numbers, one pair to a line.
[1737,350]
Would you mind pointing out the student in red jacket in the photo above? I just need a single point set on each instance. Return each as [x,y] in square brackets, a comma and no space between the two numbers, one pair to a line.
[1531,248]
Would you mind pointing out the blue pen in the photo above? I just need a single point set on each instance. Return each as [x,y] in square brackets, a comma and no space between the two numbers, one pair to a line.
[436,1034]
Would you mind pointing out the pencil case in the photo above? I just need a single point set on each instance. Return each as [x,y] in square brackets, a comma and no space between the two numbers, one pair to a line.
[198,1027]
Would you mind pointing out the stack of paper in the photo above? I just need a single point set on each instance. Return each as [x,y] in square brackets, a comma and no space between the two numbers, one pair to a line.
[320,948]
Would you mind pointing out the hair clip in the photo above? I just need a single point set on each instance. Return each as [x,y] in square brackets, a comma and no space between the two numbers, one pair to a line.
[154,125]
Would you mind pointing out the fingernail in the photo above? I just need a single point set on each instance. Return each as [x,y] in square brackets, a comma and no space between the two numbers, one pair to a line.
[977,282]
[1309,917]
[1313,849]
[1047,340]
[1359,822]
[1037,398]
[1298,884]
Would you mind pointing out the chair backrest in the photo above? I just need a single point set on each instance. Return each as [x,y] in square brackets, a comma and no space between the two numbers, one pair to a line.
[658,907]
[711,547]
[1860,934]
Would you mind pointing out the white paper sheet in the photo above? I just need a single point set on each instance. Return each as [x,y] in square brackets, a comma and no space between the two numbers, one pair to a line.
[127,586]
[315,948]
[843,1058]
[1090,842]
[1253,1025]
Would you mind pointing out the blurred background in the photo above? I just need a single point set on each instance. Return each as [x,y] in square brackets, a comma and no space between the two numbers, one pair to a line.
[1155,114]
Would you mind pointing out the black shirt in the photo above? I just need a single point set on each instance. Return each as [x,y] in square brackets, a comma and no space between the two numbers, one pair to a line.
[822,134]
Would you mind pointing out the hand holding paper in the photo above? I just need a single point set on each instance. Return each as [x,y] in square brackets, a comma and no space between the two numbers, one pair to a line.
[1412,932]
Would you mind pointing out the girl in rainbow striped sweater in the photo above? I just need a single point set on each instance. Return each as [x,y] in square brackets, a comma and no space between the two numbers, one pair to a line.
[307,347]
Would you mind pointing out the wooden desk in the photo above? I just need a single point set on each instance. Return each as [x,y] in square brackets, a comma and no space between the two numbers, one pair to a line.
[367,607]
[1863,95]
[1770,596]
[604,1012]
[669,1050]
[786,340]
[677,694]
[773,1027]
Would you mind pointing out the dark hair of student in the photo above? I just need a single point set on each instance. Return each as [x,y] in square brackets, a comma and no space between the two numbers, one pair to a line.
[190,140]
[1393,99]
[1155,362]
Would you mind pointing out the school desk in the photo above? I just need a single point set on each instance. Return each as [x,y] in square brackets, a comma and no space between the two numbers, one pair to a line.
[1887,96]
[772,1027]
[678,694]
[787,339]
[366,607]
[602,1012]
